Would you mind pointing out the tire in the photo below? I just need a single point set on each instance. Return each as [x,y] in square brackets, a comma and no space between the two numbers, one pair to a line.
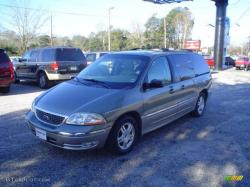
[123,135]
[5,89]
[16,80]
[200,105]
[246,68]
[43,81]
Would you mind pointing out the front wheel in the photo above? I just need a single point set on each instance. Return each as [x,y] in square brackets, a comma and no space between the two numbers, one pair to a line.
[43,81]
[123,135]
[200,105]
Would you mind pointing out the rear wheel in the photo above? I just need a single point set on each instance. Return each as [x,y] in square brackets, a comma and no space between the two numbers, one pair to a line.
[5,89]
[43,81]
[123,135]
[200,105]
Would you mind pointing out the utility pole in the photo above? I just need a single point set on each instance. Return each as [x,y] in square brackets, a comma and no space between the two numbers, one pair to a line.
[51,30]
[109,10]
[221,9]
[165,33]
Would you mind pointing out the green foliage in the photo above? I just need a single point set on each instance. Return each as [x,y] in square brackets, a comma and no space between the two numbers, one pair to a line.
[44,40]
[154,36]
[179,24]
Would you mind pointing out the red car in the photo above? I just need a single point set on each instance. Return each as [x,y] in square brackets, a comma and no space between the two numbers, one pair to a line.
[242,63]
[210,61]
[6,72]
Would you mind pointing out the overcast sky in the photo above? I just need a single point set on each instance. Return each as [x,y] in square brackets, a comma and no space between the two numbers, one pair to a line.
[128,12]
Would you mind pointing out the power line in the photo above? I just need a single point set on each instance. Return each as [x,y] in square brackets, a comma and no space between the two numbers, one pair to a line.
[243,14]
[235,3]
[57,12]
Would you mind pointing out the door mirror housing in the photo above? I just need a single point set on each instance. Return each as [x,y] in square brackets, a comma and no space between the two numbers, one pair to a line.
[153,84]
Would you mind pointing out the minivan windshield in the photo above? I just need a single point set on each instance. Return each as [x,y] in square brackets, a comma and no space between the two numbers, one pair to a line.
[115,70]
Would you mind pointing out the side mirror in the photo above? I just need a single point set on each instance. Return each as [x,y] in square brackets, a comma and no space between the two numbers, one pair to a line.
[153,84]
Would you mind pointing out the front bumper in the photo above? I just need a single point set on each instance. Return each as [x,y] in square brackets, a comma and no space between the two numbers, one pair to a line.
[69,136]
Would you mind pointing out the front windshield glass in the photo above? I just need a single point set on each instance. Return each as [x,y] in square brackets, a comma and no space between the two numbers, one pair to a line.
[116,69]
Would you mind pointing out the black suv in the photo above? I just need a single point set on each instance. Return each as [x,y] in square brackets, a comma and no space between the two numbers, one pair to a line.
[47,65]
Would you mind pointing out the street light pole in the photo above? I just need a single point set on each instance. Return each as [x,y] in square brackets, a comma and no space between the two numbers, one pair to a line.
[109,10]
[51,30]
[165,33]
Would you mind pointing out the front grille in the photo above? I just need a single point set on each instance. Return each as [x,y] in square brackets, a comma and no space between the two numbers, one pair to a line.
[49,118]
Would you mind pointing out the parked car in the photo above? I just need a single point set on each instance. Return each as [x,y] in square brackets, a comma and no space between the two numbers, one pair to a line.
[229,61]
[119,98]
[210,61]
[242,63]
[47,65]
[6,72]
[93,56]
[15,59]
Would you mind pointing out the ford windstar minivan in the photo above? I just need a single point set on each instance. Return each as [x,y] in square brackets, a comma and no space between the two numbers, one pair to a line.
[119,98]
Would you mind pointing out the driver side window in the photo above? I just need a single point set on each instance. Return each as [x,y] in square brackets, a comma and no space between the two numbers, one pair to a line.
[159,70]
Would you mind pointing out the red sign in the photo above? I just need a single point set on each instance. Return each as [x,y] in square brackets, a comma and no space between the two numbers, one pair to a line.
[192,44]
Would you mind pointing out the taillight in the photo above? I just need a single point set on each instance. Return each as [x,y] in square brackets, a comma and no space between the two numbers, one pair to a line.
[54,66]
[11,69]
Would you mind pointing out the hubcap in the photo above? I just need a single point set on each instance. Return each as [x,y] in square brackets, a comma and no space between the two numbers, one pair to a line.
[42,81]
[201,105]
[126,136]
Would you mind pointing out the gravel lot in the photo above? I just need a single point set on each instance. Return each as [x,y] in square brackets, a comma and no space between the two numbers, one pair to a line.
[187,152]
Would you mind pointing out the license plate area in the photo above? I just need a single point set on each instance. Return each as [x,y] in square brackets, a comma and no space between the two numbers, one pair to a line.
[73,68]
[41,134]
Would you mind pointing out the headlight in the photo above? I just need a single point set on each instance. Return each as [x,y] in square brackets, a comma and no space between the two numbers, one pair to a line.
[85,119]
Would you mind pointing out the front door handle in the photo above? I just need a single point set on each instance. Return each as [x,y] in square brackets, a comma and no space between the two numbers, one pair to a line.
[171,91]
[182,87]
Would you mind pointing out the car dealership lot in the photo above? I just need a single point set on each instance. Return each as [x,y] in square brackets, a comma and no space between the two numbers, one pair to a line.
[188,152]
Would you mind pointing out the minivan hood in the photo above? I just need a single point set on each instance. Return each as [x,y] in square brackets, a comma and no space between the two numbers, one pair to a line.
[71,96]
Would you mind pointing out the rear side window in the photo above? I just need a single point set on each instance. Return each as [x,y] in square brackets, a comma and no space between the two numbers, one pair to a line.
[159,70]
[200,66]
[91,57]
[182,66]
[48,55]
[69,54]
[4,57]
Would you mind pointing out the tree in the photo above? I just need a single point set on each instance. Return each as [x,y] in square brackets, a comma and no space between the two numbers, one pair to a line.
[44,40]
[80,41]
[153,34]
[179,24]
[119,39]
[26,23]
[136,38]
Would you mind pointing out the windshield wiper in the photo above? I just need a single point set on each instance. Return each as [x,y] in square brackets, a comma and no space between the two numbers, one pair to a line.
[98,82]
